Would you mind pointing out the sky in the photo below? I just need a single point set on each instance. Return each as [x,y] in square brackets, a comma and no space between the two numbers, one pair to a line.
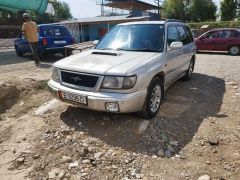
[88,8]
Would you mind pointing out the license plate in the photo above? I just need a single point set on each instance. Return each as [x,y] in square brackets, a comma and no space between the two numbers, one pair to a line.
[74,97]
[60,42]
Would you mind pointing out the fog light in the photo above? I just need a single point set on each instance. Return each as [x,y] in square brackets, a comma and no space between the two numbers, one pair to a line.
[113,107]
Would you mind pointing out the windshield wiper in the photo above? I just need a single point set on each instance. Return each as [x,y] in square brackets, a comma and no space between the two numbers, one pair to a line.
[145,50]
[105,49]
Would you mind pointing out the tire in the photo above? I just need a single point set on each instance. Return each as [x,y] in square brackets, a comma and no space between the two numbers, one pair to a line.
[18,52]
[155,89]
[189,72]
[234,50]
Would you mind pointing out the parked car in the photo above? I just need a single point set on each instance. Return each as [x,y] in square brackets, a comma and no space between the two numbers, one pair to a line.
[220,40]
[52,39]
[129,70]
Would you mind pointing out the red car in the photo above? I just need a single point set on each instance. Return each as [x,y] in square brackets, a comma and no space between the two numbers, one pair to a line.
[220,40]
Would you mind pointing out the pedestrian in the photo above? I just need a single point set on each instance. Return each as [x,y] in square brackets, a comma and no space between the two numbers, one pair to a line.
[30,32]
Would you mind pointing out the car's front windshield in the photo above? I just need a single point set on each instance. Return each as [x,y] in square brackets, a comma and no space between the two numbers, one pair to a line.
[136,37]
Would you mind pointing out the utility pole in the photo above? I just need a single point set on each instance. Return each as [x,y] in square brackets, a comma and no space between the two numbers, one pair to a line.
[102,8]
[158,5]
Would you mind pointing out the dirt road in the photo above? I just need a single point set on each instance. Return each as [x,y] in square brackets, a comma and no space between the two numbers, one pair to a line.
[196,133]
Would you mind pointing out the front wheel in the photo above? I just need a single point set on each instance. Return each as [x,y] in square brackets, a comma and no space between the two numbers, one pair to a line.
[189,72]
[234,50]
[153,100]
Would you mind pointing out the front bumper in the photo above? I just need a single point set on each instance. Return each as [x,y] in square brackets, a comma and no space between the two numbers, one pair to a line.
[127,103]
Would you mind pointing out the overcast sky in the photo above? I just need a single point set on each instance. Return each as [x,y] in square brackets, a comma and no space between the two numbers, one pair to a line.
[88,8]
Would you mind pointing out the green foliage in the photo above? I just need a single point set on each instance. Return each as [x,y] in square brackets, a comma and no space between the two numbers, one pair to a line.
[190,10]
[201,10]
[62,12]
[221,24]
[174,9]
[228,9]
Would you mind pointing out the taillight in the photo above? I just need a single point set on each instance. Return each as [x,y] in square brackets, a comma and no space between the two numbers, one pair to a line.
[45,41]
[73,41]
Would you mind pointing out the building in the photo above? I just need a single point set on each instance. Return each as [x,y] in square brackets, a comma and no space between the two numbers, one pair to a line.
[113,12]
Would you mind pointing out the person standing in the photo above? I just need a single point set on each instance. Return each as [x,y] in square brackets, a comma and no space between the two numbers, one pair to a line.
[30,32]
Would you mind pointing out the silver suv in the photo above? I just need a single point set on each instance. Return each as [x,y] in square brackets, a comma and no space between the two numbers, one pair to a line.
[129,69]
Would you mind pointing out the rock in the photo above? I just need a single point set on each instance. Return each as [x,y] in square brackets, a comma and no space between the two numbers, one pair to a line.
[54,173]
[66,159]
[84,174]
[143,126]
[204,177]
[213,142]
[73,164]
[232,83]
[20,160]
[53,104]
[97,155]
[36,156]
[171,149]
[173,143]
[86,161]
[160,153]
[168,153]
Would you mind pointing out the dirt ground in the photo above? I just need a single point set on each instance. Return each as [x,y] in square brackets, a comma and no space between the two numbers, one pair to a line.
[195,135]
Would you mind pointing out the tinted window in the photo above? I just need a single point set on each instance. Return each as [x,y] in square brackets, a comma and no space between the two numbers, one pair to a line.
[54,31]
[224,34]
[172,35]
[212,34]
[182,34]
[149,37]
[190,38]
[236,34]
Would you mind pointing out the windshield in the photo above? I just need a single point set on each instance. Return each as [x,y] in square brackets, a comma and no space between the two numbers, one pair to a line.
[149,38]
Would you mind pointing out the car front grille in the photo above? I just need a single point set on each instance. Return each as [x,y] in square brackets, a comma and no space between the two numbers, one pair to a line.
[82,80]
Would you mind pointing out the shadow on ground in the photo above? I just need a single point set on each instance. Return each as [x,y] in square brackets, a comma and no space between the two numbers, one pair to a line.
[185,106]
[9,57]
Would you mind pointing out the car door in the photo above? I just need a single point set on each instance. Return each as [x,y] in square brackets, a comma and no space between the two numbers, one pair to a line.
[173,57]
[222,41]
[187,41]
[207,41]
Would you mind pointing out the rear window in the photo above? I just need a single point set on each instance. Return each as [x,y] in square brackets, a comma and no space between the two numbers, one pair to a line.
[55,31]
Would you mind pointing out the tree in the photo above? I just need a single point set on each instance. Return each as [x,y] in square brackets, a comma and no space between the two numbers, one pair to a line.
[228,10]
[174,9]
[201,10]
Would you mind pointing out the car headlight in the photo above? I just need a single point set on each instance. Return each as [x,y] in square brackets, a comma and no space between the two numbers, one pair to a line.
[55,74]
[113,82]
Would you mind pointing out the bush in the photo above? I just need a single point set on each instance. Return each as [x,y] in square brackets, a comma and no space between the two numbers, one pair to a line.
[221,24]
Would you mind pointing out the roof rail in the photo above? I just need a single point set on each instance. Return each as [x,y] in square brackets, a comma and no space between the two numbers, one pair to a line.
[174,20]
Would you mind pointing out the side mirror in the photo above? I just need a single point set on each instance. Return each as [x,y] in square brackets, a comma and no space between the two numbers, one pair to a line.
[95,42]
[201,38]
[176,45]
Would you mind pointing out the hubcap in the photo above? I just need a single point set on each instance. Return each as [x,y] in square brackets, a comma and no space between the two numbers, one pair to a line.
[155,98]
[234,50]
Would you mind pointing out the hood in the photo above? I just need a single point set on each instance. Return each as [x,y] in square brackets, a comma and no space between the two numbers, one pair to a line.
[104,61]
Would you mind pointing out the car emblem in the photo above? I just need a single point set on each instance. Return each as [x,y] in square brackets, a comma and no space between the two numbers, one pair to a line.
[76,78]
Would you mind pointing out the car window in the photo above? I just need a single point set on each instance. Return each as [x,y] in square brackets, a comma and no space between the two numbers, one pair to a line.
[224,34]
[52,31]
[172,35]
[235,34]
[182,34]
[212,34]
[189,33]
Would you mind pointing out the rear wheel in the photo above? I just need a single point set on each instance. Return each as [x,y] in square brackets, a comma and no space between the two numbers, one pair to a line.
[189,72]
[18,52]
[153,100]
[234,50]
